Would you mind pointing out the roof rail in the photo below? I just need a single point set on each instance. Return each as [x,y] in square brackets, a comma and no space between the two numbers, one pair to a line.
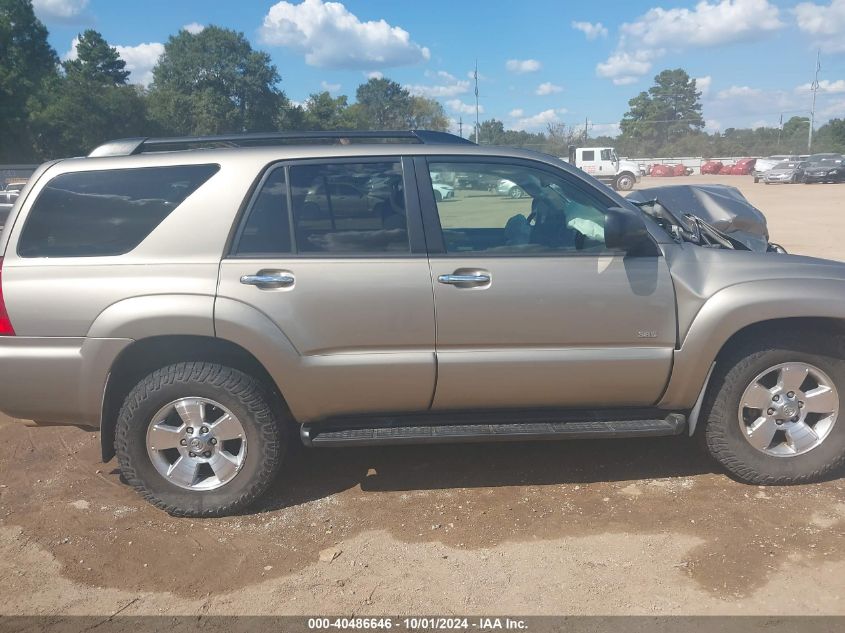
[130,146]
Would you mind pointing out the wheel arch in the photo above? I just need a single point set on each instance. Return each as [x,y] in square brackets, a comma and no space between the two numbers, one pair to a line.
[743,310]
[146,355]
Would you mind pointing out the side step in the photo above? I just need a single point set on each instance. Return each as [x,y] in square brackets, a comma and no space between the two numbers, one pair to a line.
[328,434]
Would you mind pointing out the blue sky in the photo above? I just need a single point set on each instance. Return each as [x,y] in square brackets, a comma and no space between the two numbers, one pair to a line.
[540,61]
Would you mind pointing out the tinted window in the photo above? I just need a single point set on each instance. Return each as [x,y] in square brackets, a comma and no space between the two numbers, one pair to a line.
[606,154]
[588,156]
[528,211]
[267,230]
[95,213]
[349,208]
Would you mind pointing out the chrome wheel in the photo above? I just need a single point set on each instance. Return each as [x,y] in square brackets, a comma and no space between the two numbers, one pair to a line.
[625,183]
[789,409]
[196,443]
[515,192]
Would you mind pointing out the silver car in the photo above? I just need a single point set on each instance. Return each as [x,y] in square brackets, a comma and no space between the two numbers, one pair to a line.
[790,172]
[198,303]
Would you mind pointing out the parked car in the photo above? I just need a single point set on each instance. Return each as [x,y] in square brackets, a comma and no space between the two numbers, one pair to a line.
[443,191]
[829,168]
[711,167]
[509,188]
[682,170]
[786,172]
[762,165]
[743,166]
[662,171]
[570,312]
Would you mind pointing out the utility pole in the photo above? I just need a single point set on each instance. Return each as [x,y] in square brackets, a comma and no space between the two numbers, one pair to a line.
[461,127]
[586,133]
[780,129]
[814,87]
[477,125]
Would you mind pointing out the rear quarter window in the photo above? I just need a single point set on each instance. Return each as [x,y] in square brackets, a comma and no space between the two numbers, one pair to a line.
[102,213]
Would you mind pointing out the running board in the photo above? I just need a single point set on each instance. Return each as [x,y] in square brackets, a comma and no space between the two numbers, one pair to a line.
[331,435]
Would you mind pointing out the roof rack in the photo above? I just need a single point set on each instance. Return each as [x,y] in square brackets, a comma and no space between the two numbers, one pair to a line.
[130,146]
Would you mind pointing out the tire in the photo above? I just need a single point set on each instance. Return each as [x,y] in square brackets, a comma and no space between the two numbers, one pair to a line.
[438,196]
[515,192]
[209,388]
[756,180]
[724,432]
[624,182]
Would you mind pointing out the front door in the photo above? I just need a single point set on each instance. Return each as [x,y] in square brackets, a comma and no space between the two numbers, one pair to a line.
[344,278]
[532,309]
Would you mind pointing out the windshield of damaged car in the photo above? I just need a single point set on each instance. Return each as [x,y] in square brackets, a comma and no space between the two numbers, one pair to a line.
[786,166]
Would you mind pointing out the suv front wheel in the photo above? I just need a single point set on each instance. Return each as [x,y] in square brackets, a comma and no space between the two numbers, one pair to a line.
[772,412]
[199,439]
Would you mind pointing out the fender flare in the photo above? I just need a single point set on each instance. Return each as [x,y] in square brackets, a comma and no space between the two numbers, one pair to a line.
[737,307]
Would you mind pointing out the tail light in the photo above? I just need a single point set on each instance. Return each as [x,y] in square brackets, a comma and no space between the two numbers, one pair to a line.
[6,328]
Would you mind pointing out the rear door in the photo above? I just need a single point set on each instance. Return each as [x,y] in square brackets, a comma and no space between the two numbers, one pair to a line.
[532,309]
[333,252]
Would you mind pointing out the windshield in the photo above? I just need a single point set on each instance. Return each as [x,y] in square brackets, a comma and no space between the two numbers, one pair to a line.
[786,165]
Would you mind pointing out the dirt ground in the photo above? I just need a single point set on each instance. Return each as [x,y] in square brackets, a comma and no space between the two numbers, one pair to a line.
[603,527]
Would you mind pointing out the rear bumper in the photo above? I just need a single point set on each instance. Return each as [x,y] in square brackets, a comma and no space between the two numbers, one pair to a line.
[56,380]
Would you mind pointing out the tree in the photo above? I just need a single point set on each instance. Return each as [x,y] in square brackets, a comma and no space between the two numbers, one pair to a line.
[427,114]
[324,112]
[670,109]
[97,60]
[213,82]
[831,136]
[383,104]
[76,113]
[26,60]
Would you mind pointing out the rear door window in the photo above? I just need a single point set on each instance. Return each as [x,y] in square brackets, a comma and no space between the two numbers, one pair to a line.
[103,213]
[356,208]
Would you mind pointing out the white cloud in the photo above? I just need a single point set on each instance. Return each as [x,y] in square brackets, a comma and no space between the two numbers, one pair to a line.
[712,125]
[592,31]
[739,91]
[703,84]
[333,88]
[825,23]
[709,24]
[59,10]
[194,28]
[825,86]
[329,36]
[374,75]
[548,88]
[539,120]
[440,74]
[464,108]
[604,129]
[516,113]
[459,87]
[140,60]
[71,53]
[521,66]
[625,68]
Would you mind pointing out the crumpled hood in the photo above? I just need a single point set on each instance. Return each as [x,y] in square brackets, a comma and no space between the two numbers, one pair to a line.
[722,206]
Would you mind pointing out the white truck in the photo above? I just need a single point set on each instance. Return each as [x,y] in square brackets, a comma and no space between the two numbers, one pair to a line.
[604,164]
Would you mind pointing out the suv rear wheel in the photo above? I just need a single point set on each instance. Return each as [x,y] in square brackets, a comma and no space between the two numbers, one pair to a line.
[772,412]
[199,439]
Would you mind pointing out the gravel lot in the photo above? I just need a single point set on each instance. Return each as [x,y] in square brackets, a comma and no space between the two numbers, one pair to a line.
[613,527]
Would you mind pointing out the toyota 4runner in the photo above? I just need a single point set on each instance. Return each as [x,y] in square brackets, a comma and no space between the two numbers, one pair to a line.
[198,298]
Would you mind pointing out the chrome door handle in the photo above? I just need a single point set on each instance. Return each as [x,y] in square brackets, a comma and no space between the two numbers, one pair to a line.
[269,280]
[477,278]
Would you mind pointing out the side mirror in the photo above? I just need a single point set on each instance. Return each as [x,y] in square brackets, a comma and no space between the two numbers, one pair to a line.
[625,230]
